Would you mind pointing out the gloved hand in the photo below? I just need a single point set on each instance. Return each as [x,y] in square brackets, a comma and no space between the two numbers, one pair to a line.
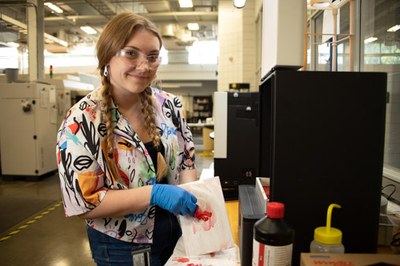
[173,199]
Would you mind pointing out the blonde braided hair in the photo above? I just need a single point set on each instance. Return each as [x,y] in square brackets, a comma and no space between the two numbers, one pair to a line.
[107,117]
[150,122]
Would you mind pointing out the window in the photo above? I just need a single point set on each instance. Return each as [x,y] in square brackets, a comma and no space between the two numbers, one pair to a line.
[380,51]
[203,52]
[323,40]
[377,36]
[8,57]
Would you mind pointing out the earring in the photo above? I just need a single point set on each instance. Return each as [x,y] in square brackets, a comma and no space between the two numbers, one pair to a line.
[154,82]
[105,72]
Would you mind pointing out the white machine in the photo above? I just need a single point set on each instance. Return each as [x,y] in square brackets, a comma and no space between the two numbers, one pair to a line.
[63,99]
[28,127]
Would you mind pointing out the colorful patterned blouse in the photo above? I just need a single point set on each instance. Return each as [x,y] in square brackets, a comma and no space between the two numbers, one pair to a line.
[83,170]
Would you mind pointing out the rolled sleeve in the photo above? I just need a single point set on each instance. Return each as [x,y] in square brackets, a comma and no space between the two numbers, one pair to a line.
[81,177]
[186,143]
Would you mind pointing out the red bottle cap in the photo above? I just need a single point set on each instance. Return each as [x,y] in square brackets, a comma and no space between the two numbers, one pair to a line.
[275,210]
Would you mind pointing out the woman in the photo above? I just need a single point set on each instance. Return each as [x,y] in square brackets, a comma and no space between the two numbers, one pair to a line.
[123,149]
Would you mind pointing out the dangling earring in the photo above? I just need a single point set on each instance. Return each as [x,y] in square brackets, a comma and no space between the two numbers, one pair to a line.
[155,83]
[105,72]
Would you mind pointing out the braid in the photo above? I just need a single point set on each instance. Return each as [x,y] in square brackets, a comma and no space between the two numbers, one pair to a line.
[107,117]
[149,116]
[150,121]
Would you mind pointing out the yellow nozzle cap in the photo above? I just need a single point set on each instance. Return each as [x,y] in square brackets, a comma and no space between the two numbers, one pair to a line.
[327,234]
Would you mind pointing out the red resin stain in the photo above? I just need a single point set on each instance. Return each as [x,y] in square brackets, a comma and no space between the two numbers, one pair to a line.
[206,220]
[202,215]
[182,259]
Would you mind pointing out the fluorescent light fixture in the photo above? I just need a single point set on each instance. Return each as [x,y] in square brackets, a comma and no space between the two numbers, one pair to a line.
[54,7]
[88,30]
[9,44]
[370,39]
[239,3]
[51,39]
[193,26]
[185,3]
[13,44]
[394,28]
[320,3]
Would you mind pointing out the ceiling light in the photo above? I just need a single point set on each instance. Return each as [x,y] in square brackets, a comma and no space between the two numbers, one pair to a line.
[13,44]
[9,44]
[88,30]
[394,28]
[370,39]
[51,39]
[320,3]
[193,26]
[239,3]
[185,3]
[54,7]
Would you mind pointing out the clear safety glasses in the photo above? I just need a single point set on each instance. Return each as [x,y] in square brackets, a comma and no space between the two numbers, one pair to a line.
[135,57]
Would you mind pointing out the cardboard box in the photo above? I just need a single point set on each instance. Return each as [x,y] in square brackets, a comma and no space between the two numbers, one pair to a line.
[311,259]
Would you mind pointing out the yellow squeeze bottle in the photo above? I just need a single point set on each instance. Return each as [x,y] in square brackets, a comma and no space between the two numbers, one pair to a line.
[327,239]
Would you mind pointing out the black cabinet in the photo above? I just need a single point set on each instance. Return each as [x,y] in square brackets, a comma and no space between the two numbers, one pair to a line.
[322,142]
[250,211]
[241,163]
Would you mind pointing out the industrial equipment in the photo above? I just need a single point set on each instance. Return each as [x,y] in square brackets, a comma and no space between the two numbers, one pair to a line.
[28,127]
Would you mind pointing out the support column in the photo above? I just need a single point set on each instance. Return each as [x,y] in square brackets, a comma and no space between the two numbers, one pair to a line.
[35,40]
[283,34]
[237,42]
[334,40]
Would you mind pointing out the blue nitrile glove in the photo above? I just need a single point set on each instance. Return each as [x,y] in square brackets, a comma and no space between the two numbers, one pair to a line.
[173,199]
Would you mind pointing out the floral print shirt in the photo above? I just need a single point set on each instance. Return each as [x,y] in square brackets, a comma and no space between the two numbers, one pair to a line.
[83,168]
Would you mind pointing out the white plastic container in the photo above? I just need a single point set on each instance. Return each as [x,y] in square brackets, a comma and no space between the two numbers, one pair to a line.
[318,247]
[327,239]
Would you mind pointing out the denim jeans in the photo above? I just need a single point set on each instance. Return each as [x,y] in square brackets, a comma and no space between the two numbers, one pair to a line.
[108,251]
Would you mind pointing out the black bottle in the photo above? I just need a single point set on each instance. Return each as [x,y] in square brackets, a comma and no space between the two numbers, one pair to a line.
[273,238]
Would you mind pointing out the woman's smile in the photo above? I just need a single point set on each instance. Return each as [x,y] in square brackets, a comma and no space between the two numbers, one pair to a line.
[134,69]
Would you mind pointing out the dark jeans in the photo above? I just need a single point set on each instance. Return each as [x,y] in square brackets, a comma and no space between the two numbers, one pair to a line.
[107,251]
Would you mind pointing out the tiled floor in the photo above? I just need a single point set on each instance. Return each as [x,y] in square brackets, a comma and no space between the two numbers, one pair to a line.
[33,229]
